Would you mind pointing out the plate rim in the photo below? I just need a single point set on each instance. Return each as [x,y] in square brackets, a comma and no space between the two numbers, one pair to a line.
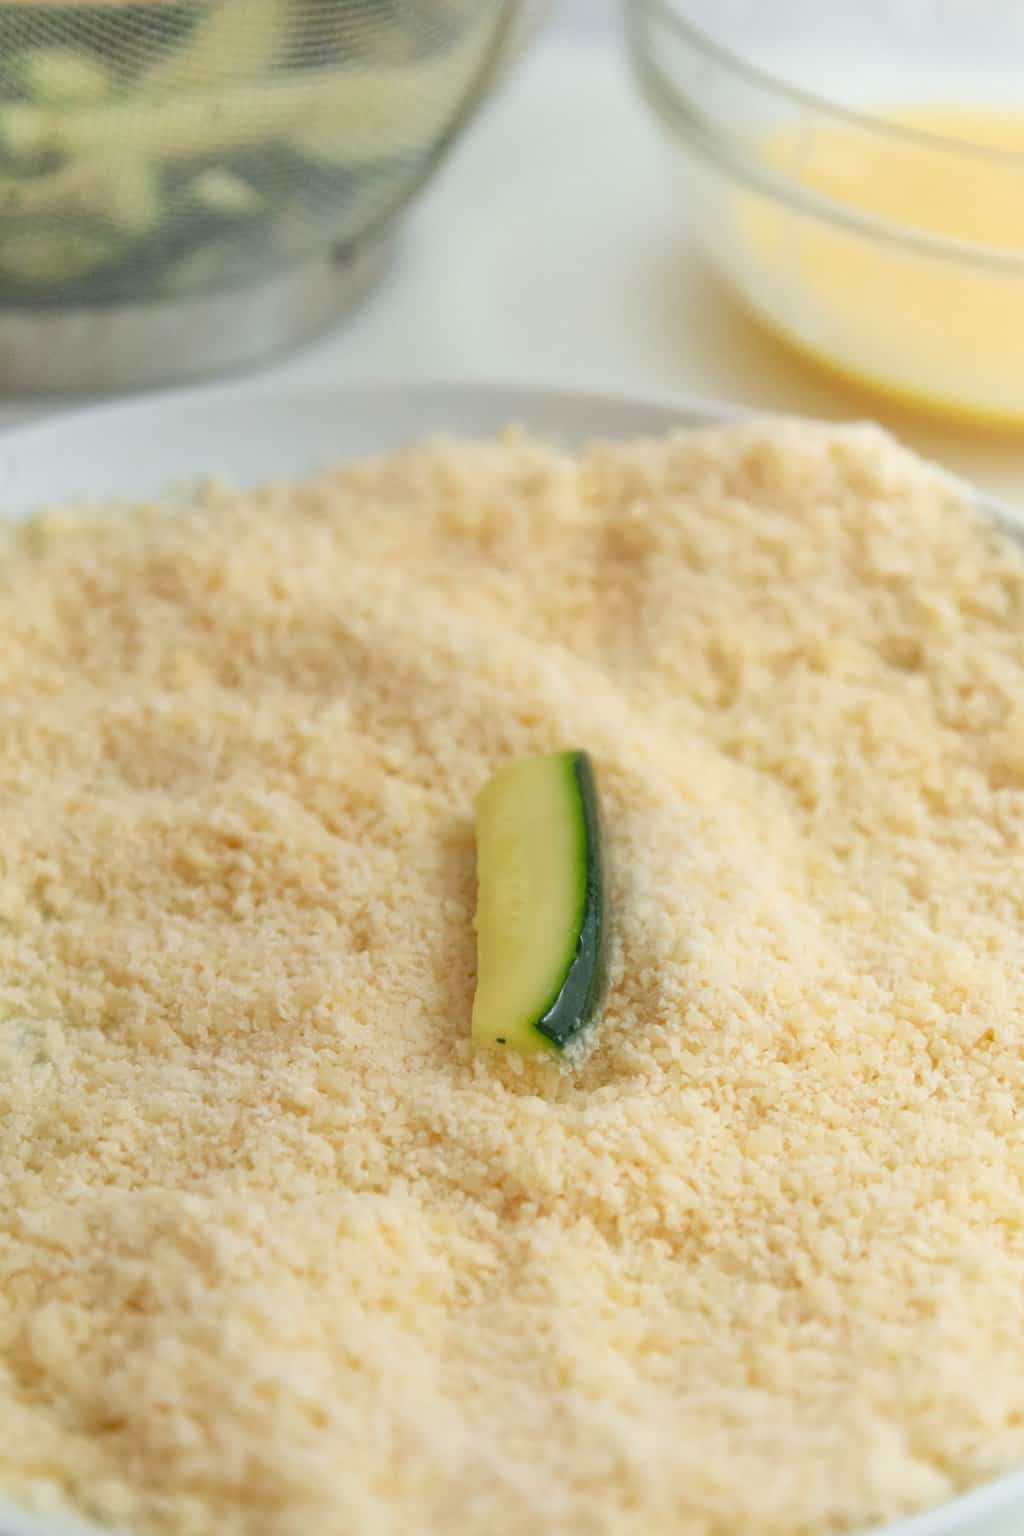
[684,410]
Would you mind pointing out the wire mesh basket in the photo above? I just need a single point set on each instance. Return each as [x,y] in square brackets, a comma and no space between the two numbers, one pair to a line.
[163,148]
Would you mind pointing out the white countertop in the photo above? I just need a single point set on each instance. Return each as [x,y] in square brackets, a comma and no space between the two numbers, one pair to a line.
[548,252]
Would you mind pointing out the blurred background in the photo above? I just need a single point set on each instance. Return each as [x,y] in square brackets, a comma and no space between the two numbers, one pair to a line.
[810,206]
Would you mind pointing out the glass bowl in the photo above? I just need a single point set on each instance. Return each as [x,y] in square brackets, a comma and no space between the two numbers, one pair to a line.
[855,171]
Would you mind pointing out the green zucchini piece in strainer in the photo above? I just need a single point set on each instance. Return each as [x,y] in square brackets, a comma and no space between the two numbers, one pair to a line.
[232,40]
[39,258]
[120,188]
[221,190]
[56,76]
[541,921]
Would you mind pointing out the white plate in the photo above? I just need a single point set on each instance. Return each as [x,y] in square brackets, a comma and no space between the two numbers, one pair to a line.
[142,448]
[247,436]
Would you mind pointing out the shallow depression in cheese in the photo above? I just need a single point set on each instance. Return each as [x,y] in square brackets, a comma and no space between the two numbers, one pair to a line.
[276,1253]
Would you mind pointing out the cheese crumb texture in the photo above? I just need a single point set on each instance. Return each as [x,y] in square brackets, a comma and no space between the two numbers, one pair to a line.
[277,1254]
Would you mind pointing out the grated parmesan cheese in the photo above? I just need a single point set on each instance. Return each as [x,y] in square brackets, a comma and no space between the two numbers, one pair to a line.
[277,1255]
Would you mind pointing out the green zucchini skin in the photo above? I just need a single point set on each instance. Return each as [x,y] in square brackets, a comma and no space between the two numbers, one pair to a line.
[541,913]
[582,991]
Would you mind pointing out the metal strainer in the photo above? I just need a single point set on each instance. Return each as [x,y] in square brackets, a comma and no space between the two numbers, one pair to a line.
[186,183]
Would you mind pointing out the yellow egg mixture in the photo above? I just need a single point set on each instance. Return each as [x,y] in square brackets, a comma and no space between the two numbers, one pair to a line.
[279,1255]
[935,330]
